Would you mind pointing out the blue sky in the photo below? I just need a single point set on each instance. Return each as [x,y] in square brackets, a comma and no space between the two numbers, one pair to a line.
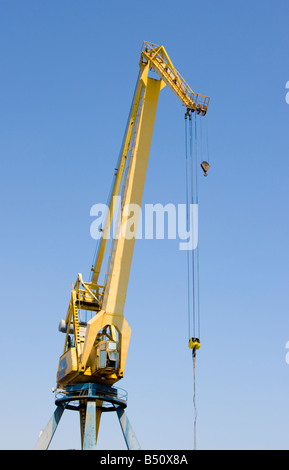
[68,71]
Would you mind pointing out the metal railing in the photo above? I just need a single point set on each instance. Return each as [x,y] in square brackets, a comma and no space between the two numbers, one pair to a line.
[162,64]
[108,396]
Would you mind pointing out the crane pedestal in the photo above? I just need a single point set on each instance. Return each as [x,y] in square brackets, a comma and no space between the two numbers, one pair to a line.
[90,400]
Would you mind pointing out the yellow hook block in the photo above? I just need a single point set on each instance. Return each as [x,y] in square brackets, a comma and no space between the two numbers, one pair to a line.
[194,343]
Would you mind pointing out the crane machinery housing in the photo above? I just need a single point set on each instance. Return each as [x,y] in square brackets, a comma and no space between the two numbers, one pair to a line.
[95,351]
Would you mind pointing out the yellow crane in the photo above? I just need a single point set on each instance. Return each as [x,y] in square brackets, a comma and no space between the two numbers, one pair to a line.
[95,351]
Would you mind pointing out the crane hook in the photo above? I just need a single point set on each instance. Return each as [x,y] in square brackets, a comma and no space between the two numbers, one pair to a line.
[205,167]
[194,344]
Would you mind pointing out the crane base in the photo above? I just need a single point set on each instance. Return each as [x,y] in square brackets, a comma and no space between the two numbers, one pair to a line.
[91,400]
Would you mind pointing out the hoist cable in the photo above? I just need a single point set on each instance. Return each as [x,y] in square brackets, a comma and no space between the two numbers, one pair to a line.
[192,198]
[187,221]
[207,129]
[194,401]
[196,278]
[197,141]
[197,247]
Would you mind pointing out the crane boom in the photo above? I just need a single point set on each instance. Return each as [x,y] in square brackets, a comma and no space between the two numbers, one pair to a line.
[158,59]
[98,349]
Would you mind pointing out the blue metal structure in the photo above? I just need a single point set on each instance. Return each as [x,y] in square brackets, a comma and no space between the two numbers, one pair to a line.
[90,400]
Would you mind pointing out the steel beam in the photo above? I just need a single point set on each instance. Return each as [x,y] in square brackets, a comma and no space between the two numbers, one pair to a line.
[92,421]
[127,430]
[47,434]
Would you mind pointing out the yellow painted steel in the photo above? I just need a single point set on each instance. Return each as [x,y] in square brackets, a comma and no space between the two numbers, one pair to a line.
[116,287]
[119,175]
[96,351]
[194,343]
[159,60]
